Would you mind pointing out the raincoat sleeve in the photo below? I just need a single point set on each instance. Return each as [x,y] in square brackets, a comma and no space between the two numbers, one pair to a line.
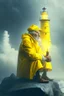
[28,48]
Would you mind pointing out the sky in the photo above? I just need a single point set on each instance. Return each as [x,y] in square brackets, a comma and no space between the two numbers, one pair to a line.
[15,17]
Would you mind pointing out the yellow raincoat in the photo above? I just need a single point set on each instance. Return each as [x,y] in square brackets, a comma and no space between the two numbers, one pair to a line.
[30,57]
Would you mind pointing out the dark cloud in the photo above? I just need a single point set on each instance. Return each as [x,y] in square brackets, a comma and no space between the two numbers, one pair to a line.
[17,15]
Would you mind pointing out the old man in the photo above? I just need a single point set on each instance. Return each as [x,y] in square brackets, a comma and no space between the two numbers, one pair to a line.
[31,60]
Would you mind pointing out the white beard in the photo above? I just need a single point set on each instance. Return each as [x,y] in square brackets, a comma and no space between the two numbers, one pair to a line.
[38,39]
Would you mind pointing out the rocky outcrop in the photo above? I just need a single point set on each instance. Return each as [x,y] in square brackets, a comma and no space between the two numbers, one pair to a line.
[13,86]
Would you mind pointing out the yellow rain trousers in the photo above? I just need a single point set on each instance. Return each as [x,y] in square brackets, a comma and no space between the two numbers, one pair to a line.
[30,58]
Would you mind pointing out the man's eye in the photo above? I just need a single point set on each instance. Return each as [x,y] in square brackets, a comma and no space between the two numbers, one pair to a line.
[35,34]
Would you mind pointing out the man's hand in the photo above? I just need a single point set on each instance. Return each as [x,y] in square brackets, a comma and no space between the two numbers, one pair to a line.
[48,58]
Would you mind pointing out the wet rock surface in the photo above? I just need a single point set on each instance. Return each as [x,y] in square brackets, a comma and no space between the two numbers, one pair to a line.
[13,86]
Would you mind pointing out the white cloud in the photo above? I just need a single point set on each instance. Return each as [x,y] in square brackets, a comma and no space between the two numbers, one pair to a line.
[56,63]
[8,55]
[56,58]
[6,43]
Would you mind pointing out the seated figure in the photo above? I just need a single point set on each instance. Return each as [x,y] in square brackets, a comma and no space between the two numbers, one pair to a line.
[32,64]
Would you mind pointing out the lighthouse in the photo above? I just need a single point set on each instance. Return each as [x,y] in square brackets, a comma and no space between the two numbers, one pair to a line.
[45,34]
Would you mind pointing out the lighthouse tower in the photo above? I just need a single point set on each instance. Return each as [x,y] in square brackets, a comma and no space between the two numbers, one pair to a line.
[45,34]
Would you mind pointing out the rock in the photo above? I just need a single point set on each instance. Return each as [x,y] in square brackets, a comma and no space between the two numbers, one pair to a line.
[13,86]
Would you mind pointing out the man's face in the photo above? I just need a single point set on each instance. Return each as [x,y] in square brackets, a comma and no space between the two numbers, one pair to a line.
[36,34]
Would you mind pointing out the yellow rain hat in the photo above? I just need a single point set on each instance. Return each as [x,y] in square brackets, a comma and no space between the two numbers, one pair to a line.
[34,28]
